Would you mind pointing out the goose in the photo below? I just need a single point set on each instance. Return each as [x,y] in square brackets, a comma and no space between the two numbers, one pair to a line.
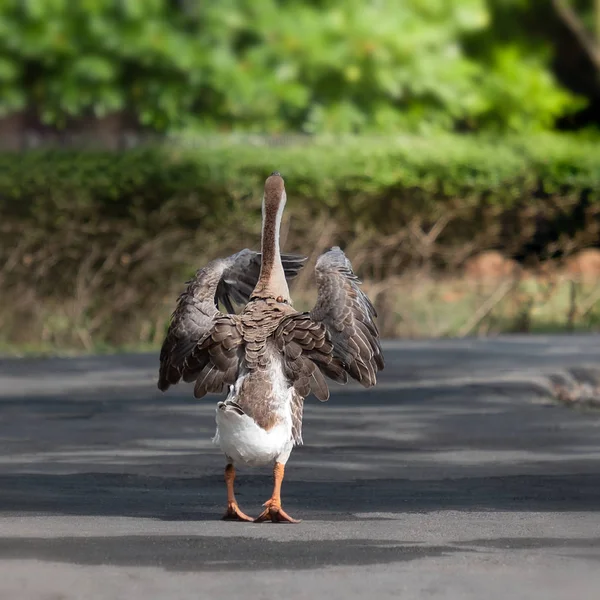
[268,357]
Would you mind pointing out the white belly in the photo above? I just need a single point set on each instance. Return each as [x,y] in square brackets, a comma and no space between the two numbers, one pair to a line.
[242,440]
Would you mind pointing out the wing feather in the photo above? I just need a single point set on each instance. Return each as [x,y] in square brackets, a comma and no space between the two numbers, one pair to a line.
[339,336]
[348,316]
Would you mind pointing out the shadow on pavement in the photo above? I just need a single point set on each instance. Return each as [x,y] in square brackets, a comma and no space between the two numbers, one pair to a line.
[105,494]
[198,553]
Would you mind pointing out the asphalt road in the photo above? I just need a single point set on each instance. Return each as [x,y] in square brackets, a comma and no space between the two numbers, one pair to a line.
[458,476]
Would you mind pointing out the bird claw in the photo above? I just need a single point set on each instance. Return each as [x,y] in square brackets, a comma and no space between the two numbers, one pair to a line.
[275,514]
[235,514]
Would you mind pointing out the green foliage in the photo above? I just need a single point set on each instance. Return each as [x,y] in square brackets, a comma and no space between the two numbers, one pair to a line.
[210,182]
[268,65]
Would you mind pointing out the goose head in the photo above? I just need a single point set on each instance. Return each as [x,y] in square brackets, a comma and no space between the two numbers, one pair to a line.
[274,197]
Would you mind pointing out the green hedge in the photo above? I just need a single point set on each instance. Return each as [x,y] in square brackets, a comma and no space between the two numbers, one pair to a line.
[324,172]
[449,165]
[376,184]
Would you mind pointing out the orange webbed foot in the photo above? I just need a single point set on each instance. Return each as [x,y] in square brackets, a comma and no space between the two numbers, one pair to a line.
[274,513]
[235,514]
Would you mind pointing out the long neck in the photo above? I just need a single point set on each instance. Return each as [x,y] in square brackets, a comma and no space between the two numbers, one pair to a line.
[271,282]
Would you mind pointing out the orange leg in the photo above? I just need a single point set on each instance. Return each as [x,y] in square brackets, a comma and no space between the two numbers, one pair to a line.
[273,510]
[233,510]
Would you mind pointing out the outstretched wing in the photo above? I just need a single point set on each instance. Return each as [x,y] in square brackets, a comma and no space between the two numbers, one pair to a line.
[349,317]
[338,337]
[202,342]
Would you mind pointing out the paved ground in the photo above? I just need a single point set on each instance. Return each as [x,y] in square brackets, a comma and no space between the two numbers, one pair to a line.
[457,477]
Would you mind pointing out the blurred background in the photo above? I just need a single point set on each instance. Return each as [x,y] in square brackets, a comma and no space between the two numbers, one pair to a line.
[451,147]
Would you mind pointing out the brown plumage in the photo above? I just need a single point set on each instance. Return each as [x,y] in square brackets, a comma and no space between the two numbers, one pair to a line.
[269,356]
[197,325]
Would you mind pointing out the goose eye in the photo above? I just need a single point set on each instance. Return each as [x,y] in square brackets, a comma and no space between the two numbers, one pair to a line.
[279,299]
